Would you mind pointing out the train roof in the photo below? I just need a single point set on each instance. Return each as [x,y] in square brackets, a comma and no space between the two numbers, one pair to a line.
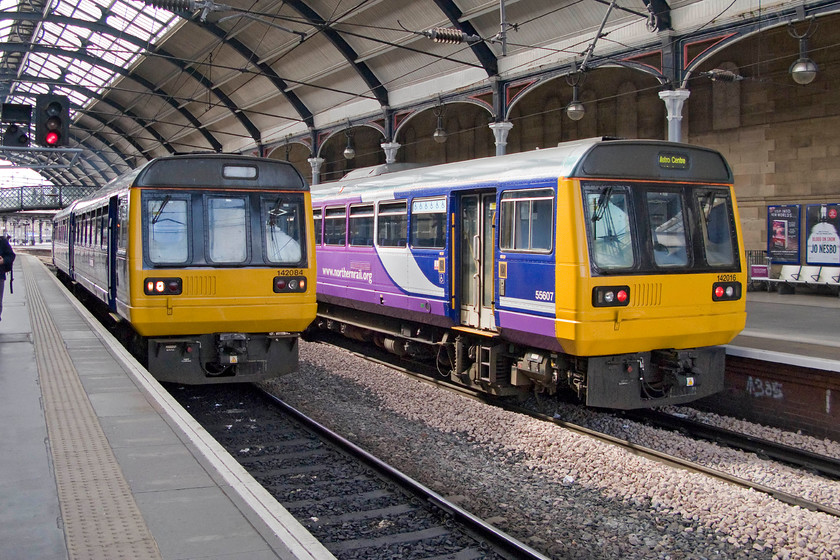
[589,158]
[207,170]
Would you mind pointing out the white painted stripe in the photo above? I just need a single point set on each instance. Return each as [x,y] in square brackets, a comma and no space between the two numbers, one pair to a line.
[528,305]
[783,358]
[403,269]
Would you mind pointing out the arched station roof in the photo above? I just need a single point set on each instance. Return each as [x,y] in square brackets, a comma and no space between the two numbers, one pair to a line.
[166,76]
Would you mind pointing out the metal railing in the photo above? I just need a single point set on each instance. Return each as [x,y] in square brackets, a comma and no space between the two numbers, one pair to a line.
[42,197]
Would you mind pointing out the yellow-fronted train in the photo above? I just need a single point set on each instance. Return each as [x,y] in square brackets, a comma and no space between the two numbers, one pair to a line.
[611,267]
[205,261]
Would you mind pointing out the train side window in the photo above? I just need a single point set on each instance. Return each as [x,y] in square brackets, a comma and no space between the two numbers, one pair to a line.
[103,228]
[428,223]
[122,223]
[283,217]
[667,228]
[392,224]
[335,226]
[167,231]
[319,223]
[361,225]
[717,226]
[527,220]
[227,229]
[608,227]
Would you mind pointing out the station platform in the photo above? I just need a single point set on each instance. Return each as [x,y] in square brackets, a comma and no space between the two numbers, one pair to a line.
[783,369]
[800,329]
[97,461]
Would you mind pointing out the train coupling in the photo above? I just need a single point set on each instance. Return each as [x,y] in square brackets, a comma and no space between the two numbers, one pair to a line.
[676,368]
[232,348]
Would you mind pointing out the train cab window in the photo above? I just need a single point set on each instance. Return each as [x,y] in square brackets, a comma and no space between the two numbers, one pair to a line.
[167,232]
[335,226]
[527,219]
[282,218]
[717,226]
[667,228]
[428,223]
[227,229]
[319,222]
[608,227]
[361,225]
[392,224]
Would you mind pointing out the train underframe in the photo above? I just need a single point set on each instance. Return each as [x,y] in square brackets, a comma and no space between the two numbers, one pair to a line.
[222,357]
[488,362]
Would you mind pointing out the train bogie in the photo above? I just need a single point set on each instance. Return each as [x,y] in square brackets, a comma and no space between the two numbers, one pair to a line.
[613,268]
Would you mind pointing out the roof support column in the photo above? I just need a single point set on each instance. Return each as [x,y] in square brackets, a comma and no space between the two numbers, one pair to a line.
[674,100]
[500,131]
[315,163]
[390,151]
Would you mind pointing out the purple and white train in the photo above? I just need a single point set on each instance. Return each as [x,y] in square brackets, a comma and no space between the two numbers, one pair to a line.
[612,267]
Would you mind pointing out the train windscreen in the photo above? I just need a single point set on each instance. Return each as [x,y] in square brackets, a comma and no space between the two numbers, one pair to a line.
[649,228]
[191,228]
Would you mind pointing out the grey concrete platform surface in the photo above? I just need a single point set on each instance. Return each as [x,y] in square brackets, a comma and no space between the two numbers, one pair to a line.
[797,329]
[98,461]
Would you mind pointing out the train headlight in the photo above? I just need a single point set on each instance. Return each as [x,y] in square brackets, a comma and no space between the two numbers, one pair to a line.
[162,286]
[726,291]
[611,296]
[289,284]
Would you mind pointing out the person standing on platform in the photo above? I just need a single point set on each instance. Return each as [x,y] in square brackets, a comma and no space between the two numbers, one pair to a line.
[7,257]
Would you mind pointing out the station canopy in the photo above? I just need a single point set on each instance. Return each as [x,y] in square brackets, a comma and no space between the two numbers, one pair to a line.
[146,79]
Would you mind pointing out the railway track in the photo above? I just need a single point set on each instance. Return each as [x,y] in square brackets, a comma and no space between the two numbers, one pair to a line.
[766,449]
[355,504]
[825,466]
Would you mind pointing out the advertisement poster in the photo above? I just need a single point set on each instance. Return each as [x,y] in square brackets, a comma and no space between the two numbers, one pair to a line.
[783,233]
[822,224]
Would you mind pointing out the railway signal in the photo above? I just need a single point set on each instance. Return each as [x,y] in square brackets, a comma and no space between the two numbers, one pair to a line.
[52,120]
[15,119]
[15,136]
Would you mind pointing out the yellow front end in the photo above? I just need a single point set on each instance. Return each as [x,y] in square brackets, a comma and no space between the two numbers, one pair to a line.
[665,311]
[221,300]
[673,311]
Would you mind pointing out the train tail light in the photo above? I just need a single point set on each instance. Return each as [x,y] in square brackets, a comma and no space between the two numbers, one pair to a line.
[611,296]
[289,284]
[163,286]
[726,291]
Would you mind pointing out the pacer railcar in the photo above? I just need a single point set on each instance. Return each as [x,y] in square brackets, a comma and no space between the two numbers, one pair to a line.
[207,261]
[611,267]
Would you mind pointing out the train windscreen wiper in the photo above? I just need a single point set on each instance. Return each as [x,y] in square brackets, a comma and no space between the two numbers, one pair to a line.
[160,210]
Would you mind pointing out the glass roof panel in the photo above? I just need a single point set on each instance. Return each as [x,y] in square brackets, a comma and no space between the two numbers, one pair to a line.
[81,9]
[40,70]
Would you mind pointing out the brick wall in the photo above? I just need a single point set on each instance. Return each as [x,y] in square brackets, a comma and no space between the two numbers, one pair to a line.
[783,396]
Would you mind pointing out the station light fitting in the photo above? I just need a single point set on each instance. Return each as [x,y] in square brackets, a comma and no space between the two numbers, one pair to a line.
[349,151]
[440,133]
[803,70]
[575,109]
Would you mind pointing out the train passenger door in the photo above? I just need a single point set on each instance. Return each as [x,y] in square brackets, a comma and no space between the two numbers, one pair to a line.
[111,247]
[477,250]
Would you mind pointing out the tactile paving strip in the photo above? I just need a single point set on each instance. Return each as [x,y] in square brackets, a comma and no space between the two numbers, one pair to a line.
[101,519]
